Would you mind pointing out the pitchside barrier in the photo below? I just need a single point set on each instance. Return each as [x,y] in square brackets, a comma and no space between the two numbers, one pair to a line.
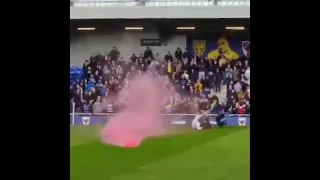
[174,119]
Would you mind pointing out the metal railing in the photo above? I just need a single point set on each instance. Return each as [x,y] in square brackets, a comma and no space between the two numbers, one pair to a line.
[174,119]
[101,118]
[107,3]
[112,114]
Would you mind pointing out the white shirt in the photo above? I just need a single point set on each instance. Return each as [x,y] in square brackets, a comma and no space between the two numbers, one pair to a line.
[195,122]
[237,87]
[186,76]
[247,73]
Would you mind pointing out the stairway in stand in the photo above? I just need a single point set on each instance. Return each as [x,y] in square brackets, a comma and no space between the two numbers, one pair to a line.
[222,94]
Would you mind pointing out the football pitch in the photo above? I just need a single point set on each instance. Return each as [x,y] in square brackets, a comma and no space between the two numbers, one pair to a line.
[218,154]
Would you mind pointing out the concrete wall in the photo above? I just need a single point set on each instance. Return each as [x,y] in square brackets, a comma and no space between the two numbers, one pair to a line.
[83,46]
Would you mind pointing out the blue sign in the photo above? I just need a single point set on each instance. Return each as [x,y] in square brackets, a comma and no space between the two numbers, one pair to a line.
[176,120]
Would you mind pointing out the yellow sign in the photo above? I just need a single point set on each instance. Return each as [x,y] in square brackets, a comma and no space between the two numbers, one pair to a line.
[199,46]
[223,49]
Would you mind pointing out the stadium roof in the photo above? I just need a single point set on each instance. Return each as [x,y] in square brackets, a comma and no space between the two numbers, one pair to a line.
[168,26]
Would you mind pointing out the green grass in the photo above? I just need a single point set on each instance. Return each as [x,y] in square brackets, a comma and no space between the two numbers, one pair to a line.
[218,154]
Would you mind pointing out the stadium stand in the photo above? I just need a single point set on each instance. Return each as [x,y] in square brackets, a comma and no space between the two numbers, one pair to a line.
[201,83]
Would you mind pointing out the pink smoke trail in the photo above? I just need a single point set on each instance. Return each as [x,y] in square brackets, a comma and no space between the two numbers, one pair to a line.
[142,116]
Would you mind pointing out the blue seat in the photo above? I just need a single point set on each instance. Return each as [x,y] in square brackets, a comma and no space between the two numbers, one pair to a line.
[75,73]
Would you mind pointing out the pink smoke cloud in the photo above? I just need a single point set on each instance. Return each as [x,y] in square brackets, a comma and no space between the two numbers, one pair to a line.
[141,117]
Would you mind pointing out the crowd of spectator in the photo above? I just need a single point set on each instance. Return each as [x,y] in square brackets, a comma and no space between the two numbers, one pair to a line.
[197,81]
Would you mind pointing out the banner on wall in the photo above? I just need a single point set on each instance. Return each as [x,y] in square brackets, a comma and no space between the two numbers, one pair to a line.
[176,120]
[215,47]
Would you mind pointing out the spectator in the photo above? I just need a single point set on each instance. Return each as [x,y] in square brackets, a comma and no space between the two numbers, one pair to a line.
[218,80]
[185,66]
[85,67]
[235,74]
[99,69]
[247,75]
[92,59]
[230,92]
[193,76]
[99,58]
[71,105]
[154,64]
[198,87]
[114,54]
[241,109]
[228,75]
[89,73]
[94,94]
[241,95]
[162,70]
[185,54]
[185,75]
[212,66]
[246,64]
[183,85]
[175,78]
[158,58]
[233,108]
[207,83]
[148,54]
[149,61]
[247,107]
[122,61]
[119,70]
[133,59]
[106,56]
[140,57]
[202,69]
[237,87]
[193,66]
[222,61]
[178,54]
[96,76]
[103,90]
[248,93]
[241,68]
[191,91]
[169,68]
[77,96]
[243,83]
[71,92]
[177,67]
[168,57]
[97,105]
[87,100]
[106,72]
[90,84]
[196,56]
